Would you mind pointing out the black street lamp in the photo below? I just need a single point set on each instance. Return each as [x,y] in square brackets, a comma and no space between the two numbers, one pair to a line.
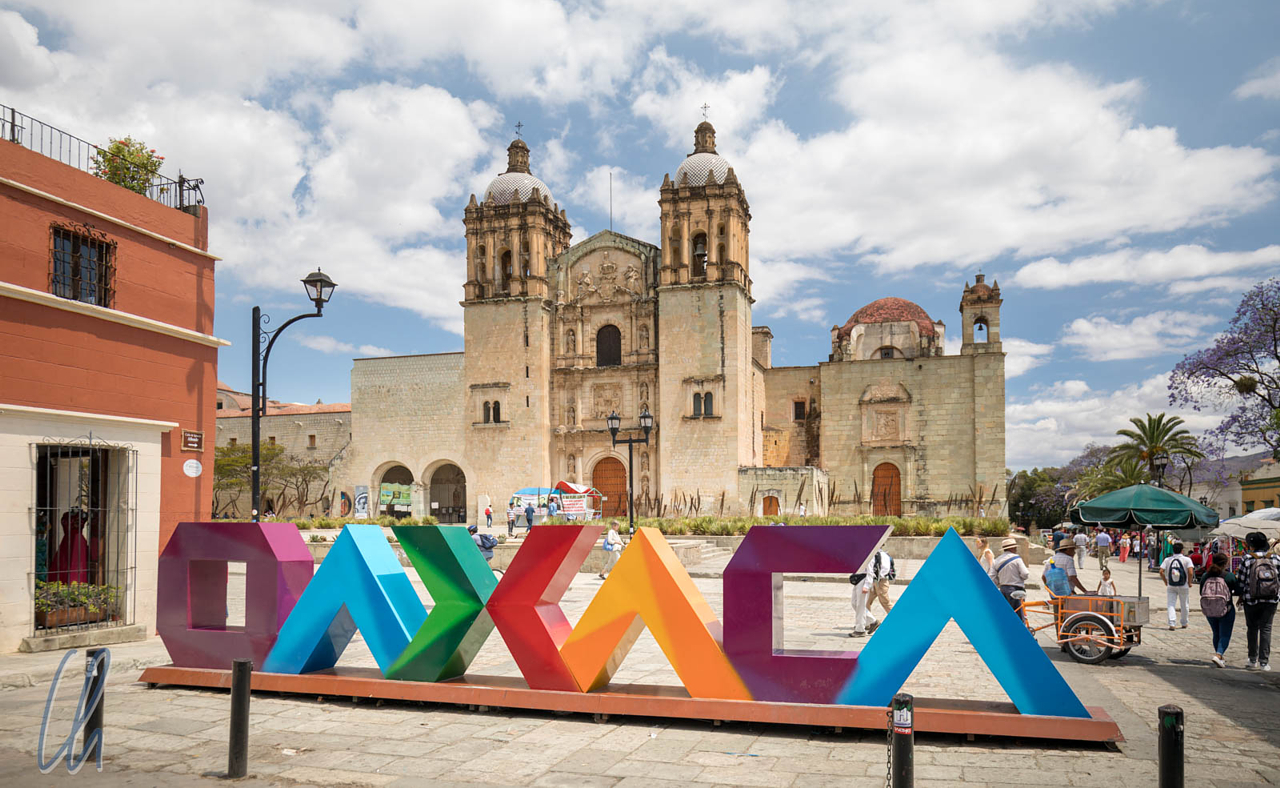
[1158,464]
[319,289]
[646,424]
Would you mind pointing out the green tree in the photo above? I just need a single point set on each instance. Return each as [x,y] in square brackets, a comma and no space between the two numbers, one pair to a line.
[1117,475]
[129,163]
[1152,436]
[232,474]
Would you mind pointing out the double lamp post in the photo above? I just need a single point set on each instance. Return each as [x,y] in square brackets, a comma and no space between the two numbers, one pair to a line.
[646,425]
[319,289]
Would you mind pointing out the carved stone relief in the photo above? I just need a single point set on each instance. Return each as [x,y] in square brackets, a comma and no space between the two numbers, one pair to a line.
[605,399]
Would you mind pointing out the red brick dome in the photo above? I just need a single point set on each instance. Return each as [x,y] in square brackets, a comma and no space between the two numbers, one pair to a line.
[890,310]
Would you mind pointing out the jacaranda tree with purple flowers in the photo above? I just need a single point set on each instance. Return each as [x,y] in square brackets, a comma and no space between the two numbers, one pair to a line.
[1240,371]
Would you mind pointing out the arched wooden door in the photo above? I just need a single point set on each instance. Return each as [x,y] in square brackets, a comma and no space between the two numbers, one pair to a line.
[610,478]
[770,506]
[886,491]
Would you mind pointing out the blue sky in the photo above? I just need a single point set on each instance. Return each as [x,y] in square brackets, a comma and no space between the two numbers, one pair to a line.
[1115,165]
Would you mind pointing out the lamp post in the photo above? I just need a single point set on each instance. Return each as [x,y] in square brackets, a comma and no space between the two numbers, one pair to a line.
[319,289]
[646,424]
[1158,464]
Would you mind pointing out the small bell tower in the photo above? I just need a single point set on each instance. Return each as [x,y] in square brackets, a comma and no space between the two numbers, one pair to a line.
[980,317]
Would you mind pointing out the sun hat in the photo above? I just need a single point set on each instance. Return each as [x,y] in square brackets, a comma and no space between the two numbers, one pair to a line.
[1007,543]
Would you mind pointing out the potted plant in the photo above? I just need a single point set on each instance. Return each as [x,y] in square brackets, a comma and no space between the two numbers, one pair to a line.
[63,604]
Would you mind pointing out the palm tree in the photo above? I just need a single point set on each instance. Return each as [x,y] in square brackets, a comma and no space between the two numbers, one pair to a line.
[1153,436]
[1103,479]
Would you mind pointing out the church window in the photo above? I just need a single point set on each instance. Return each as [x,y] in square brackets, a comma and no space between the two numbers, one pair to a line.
[506,269]
[721,230]
[885,352]
[497,412]
[980,329]
[608,346]
[488,413]
[707,410]
[797,410]
[526,370]
[699,256]
[697,406]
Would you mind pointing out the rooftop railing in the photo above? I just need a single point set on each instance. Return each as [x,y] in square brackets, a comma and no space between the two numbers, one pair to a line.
[36,135]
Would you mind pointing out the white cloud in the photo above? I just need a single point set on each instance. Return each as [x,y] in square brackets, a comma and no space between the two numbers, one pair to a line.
[1054,424]
[23,62]
[327,344]
[1022,356]
[776,281]
[1265,82]
[1159,333]
[672,92]
[635,208]
[1139,266]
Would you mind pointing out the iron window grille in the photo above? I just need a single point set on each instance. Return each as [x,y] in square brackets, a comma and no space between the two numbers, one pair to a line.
[85,509]
[82,264]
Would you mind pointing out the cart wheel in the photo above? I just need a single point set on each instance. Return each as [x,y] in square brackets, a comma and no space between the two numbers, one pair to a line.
[1091,626]
[1121,652]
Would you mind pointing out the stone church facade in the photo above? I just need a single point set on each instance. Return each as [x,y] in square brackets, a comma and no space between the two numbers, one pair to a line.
[558,336]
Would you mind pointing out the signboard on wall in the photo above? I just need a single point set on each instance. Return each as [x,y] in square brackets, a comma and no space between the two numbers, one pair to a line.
[360,510]
[192,440]
[395,495]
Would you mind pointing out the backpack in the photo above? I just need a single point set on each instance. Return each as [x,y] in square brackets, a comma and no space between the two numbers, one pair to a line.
[875,563]
[1177,572]
[487,542]
[1056,578]
[1263,583]
[1215,597]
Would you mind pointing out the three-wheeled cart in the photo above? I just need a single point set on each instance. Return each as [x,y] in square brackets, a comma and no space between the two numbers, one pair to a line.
[1091,629]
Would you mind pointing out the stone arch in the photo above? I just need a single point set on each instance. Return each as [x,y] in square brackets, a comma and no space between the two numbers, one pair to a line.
[699,256]
[467,491]
[981,329]
[447,493]
[609,476]
[390,472]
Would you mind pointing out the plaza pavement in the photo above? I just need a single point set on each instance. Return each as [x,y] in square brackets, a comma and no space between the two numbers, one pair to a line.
[170,736]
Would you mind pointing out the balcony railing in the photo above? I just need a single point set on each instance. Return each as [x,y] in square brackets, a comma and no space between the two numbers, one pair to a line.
[69,149]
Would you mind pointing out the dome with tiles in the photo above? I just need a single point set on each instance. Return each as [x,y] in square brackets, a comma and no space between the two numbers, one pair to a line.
[704,160]
[890,310]
[517,183]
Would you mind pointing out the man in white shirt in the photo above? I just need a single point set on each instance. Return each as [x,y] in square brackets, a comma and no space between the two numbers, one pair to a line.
[1082,545]
[1177,572]
[1103,541]
[882,573]
[1009,573]
[1064,559]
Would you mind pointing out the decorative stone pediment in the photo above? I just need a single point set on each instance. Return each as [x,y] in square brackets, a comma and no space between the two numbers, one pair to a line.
[885,390]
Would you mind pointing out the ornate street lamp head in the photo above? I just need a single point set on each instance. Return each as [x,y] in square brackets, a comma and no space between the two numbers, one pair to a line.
[614,422]
[319,288]
[646,422]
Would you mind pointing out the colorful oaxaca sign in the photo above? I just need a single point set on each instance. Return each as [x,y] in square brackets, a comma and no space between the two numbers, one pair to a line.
[298,624]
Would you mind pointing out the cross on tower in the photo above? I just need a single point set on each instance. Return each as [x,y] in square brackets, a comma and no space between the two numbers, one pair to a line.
[519,126]
[705,107]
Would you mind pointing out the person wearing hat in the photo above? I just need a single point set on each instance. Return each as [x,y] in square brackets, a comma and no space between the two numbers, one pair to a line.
[1065,559]
[1010,573]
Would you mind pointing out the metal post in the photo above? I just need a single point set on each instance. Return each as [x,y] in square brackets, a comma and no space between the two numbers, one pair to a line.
[93,720]
[1142,549]
[238,754]
[631,481]
[255,425]
[1171,739]
[903,768]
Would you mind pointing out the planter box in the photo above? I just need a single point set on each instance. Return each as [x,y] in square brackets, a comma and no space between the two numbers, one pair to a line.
[70,616]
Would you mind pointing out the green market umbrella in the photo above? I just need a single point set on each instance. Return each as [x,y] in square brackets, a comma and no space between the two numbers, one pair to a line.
[1145,506]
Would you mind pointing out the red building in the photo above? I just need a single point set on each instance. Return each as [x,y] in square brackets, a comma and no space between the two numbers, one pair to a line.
[108,390]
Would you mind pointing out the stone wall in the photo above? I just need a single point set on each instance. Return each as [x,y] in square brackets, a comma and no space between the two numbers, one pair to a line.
[294,433]
[791,486]
[784,387]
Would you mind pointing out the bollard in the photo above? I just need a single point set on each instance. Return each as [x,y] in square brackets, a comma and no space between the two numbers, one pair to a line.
[903,768]
[238,755]
[1171,739]
[93,719]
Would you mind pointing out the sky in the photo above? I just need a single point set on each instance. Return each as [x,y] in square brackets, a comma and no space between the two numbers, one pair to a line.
[1113,164]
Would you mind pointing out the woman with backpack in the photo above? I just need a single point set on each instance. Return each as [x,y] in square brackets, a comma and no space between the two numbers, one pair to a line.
[1217,587]
[1260,575]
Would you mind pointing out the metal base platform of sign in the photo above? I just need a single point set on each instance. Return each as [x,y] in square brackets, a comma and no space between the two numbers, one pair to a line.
[977,718]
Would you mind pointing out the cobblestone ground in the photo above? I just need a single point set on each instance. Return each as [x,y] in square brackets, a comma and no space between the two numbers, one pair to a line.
[170,736]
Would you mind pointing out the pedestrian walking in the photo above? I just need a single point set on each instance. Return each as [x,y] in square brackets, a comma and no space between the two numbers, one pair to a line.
[863,620]
[1260,575]
[1217,588]
[529,511]
[985,556]
[1081,540]
[484,542]
[1152,551]
[488,517]
[1176,572]
[612,546]
[882,573]
[1010,573]
[1125,542]
[1103,541]
[1058,535]
[511,519]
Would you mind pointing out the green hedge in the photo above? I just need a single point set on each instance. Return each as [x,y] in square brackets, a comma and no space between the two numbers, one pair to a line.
[902,526]
[327,523]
